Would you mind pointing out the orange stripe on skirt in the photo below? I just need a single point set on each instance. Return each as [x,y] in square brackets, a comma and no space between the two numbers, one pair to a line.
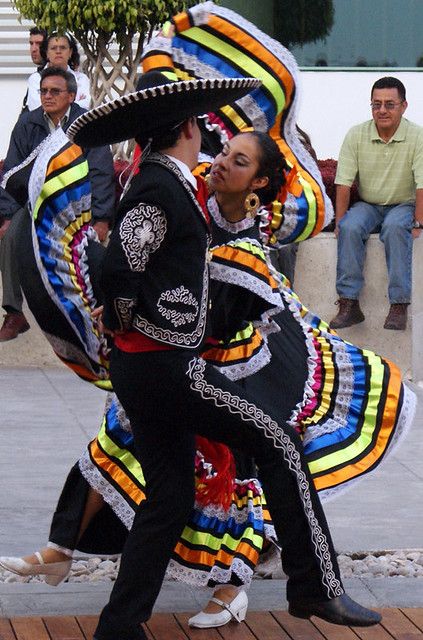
[385,431]
[116,473]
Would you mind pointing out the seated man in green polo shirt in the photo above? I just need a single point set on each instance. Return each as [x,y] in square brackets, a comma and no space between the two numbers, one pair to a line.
[385,156]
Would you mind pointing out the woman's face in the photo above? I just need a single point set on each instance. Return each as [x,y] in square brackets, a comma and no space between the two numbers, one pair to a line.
[235,169]
[59,52]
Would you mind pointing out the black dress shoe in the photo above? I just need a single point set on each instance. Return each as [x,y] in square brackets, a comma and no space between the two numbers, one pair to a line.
[340,610]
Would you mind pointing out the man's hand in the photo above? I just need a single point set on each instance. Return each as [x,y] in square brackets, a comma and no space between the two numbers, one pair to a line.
[97,316]
[102,229]
[4,227]
[416,232]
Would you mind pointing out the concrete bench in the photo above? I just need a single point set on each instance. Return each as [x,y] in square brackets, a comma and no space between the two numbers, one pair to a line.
[315,278]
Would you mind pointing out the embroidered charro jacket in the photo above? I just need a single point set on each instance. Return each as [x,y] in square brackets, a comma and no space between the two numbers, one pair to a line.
[155,272]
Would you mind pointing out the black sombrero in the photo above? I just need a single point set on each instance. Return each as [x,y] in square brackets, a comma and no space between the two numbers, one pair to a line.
[158,105]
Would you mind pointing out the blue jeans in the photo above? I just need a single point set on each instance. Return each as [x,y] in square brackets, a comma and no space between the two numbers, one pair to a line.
[394,224]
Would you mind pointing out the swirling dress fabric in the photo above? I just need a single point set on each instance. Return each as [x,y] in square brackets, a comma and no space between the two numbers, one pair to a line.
[211,42]
[54,260]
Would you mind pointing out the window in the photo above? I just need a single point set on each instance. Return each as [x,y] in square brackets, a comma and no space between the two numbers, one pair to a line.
[379,33]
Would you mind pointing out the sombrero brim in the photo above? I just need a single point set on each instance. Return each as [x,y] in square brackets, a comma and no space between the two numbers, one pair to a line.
[155,108]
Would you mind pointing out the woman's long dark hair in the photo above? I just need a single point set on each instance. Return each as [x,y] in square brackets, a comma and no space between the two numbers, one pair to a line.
[272,165]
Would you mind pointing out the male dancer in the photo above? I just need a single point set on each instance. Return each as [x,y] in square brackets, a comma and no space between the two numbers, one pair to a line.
[155,279]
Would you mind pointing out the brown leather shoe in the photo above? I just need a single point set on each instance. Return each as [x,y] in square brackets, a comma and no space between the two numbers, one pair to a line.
[397,317]
[14,324]
[349,313]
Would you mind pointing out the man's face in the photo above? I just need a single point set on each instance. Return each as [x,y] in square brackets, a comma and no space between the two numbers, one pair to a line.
[34,48]
[387,110]
[55,97]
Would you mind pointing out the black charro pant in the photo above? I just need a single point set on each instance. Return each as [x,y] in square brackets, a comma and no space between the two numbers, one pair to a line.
[169,396]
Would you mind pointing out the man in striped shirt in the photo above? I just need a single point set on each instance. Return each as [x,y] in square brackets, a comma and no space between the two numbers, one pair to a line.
[385,156]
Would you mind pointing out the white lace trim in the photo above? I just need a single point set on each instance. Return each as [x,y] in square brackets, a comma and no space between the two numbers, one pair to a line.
[292,302]
[244,369]
[201,578]
[218,130]
[23,164]
[200,13]
[110,495]
[112,400]
[406,417]
[70,353]
[160,43]
[233,275]
[231,227]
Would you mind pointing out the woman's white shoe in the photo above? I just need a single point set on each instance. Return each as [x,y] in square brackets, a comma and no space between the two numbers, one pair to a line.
[235,610]
[54,572]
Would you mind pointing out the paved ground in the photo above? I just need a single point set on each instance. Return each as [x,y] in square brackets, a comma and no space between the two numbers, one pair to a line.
[43,433]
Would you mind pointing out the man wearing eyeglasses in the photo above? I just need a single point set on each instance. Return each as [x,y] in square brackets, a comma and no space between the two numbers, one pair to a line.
[58,109]
[385,156]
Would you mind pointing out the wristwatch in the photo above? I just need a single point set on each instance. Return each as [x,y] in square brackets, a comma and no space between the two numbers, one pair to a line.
[417,224]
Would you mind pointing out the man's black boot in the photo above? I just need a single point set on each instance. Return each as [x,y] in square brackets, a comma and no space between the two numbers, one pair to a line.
[341,610]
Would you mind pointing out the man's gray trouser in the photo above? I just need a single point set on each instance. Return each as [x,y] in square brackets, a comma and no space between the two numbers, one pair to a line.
[12,293]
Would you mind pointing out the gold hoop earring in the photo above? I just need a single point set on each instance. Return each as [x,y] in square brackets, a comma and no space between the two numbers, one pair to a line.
[207,180]
[251,204]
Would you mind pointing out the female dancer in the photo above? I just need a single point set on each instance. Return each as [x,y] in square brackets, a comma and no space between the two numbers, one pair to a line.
[334,427]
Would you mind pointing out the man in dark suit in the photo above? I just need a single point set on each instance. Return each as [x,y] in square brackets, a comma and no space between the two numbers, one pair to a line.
[58,109]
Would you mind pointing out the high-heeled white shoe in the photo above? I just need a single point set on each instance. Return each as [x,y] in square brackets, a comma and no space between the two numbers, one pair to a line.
[235,610]
[54,572]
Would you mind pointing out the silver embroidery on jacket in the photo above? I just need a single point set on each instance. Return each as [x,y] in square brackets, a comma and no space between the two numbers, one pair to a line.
[123,308]
[173,337]
[169,300]
[142,231]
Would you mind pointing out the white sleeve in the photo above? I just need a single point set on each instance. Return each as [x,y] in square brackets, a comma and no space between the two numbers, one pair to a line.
[83,96]
[33,101]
